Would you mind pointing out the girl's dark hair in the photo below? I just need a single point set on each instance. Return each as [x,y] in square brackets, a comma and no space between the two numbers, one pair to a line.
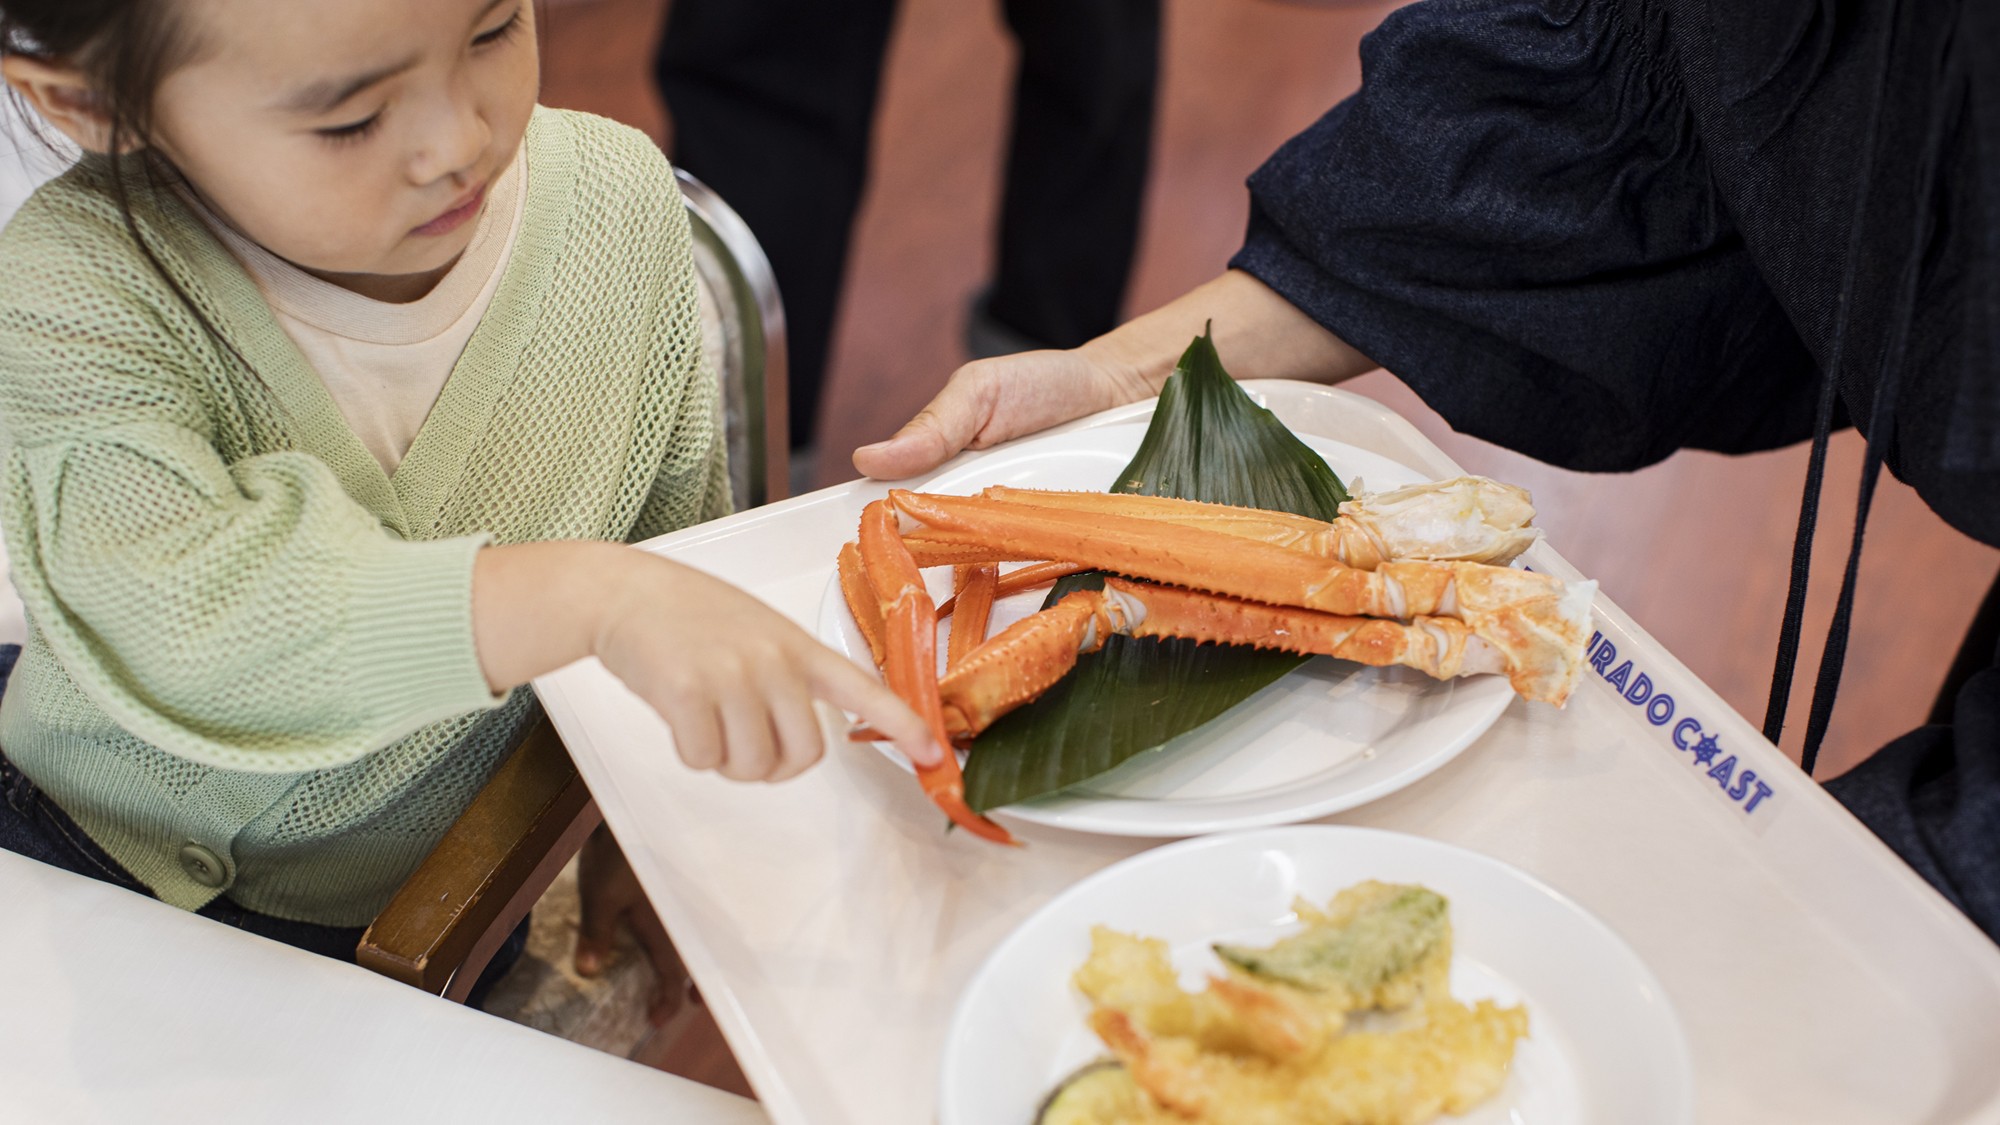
[125,49]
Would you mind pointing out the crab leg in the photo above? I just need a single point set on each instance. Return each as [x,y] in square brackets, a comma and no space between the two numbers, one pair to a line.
[975,585]
[1028,657]
[1466,519]
[1021,662]
[1023,578]
[1281,529]
[1517,608]
[861,599]
[934,547]
[909,665]
[1181,555]
[1439,646]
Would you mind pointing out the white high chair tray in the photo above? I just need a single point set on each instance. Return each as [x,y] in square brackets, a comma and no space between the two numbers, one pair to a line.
[832,924]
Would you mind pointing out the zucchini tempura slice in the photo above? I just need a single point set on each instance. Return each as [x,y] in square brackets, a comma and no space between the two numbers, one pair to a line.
[1377,946]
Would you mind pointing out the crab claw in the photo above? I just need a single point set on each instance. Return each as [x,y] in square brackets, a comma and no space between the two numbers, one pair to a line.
[909,659]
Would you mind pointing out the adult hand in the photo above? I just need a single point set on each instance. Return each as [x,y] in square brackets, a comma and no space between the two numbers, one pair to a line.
[989,401]
[1259,334]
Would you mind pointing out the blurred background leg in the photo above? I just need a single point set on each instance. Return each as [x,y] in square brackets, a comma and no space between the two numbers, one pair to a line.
[773,105]
[1077,159]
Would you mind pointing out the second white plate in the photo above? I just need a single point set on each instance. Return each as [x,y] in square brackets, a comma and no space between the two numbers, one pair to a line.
[1604,1044]
[1330,736]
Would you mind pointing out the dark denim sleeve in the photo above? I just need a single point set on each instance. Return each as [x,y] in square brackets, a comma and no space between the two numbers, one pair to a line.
[1514,215]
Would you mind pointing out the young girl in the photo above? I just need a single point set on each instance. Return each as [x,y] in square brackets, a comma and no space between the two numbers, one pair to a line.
[331,378]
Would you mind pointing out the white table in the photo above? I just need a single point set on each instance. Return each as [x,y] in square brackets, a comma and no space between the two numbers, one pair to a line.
[831,923]
[119,1008]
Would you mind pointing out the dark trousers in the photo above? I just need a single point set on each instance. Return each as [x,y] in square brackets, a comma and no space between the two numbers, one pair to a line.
[773,103]
[34,826]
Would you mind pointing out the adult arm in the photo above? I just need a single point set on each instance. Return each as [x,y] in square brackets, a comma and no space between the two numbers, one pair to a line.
[1262,335]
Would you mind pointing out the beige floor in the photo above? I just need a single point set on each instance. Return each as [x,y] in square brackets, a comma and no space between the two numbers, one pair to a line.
[543,991]
[1696,548]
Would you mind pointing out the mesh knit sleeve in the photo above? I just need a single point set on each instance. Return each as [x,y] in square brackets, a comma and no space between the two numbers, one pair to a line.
[245,615]
[692,485]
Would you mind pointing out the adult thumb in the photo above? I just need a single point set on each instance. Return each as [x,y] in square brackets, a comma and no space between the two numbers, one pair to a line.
[924,443]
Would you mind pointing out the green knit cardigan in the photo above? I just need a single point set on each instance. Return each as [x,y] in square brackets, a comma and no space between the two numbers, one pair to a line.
[250,666]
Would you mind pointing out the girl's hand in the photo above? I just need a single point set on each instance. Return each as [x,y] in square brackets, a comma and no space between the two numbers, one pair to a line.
[989,401]
[734,679]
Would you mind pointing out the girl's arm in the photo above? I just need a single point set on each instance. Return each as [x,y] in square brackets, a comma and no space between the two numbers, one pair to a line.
[991,400]
[251,615]
[733,678]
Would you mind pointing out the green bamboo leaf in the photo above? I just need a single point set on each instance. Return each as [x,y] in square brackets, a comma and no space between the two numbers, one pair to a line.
[1208,441]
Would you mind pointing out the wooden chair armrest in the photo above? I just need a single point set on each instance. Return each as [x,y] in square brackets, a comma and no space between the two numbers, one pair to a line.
[483,877]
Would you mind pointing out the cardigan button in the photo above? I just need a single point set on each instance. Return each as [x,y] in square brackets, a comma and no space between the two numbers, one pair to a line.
[202,865]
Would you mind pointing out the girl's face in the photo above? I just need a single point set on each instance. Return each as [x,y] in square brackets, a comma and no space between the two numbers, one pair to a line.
[355,138]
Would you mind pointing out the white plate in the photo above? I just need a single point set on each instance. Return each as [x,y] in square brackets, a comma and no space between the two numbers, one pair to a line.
[1604,1044]
[1327,737]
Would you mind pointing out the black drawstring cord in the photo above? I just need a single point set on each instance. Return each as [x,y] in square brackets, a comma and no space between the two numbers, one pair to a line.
[1795,595]
[1835,653]
[1882,413]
